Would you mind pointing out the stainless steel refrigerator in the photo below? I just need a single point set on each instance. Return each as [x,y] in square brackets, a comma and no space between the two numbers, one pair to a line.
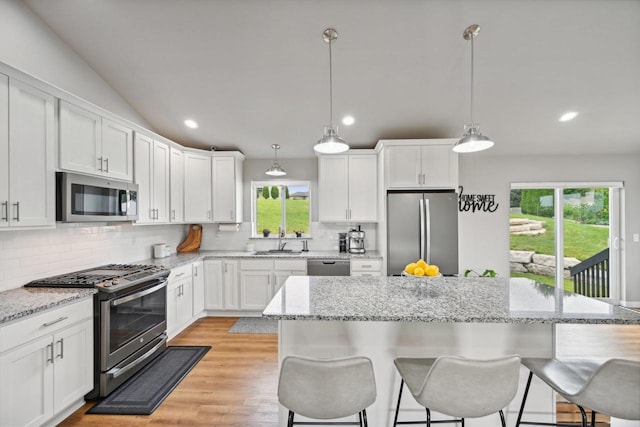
[422,224]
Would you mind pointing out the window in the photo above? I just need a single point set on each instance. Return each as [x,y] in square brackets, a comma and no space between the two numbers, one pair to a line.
[283,204]
[566,235]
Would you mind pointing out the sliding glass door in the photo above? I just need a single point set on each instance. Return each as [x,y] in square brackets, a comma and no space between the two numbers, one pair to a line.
[567,235]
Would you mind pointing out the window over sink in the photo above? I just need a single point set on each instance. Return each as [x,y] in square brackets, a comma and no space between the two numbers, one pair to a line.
[280,203]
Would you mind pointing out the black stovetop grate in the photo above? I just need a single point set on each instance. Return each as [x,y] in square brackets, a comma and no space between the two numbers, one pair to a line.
[91,277]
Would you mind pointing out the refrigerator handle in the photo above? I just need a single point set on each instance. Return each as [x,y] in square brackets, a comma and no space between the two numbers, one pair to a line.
[427,210]
[422,227]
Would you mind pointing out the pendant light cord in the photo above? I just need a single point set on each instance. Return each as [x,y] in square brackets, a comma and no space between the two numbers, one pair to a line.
[330,87]
[472,124]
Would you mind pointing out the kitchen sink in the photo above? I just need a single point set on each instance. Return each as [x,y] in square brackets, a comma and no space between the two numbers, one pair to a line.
[278,252]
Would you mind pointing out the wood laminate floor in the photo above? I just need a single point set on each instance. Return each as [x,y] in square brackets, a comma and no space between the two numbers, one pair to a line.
[235,384]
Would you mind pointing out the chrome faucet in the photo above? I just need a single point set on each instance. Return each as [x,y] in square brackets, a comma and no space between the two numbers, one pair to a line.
[281,244]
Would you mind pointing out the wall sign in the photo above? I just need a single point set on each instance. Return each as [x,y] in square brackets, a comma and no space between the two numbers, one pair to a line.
[476,202]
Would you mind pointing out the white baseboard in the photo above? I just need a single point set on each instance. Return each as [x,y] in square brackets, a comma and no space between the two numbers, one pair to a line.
[630,304]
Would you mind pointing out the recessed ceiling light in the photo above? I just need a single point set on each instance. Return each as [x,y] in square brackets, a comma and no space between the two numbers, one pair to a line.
[568,116]
[348,120]
[191,124]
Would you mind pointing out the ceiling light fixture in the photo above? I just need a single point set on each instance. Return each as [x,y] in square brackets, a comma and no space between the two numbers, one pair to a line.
[472,140]
[568,116]
[275,169]
[191,124]
[348,120]
[331,142]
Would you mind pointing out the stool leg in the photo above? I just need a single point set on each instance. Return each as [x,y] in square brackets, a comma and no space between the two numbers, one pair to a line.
[364,418]
[504,423]
[290,420]
[593,418]
[395,419]
[584,416]
[524,399]
[428,417]
[360,418]
[462,422]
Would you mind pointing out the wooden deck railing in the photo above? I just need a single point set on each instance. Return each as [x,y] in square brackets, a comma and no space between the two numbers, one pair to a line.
[591,276]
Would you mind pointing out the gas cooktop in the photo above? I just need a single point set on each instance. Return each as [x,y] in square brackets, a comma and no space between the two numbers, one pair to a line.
[103,277]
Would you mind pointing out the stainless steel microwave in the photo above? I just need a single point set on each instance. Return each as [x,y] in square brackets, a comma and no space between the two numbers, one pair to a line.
[82,198]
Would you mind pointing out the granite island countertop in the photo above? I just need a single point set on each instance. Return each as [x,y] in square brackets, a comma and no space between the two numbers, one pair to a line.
[441,299]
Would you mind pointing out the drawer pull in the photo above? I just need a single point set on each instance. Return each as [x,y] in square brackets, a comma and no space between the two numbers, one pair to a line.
[179,275]
[55,321]
[61,355]
[50,350]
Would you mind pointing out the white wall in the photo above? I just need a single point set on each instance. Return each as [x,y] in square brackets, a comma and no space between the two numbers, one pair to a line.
[484,237]
[28,44]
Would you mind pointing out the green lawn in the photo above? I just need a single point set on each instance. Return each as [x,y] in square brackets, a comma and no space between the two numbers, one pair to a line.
[581,241]
[269,215]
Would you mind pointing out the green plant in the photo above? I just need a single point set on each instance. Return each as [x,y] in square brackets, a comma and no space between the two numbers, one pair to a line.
[275,192]
[265,232]
[265,192]
[486,273]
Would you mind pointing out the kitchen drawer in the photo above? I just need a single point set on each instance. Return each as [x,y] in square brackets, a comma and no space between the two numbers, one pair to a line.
[366,265]
[290,264]
[32,327]
[181,272]
[366,273]
[261,264]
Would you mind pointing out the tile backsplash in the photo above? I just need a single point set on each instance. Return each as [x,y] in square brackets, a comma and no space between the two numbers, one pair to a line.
[34,254]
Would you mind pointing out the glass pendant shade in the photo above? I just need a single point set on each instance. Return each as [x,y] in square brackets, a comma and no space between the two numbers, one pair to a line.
[331,143]
[275,169]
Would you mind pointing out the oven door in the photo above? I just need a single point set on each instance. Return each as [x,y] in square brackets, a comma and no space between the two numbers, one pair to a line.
[130,322]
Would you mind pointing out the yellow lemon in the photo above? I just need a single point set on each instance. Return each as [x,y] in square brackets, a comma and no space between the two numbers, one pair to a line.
[432,270]
[410,267]
[418,271]
[421,263]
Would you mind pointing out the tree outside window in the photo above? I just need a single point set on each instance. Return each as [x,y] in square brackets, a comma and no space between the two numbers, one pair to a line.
[283,204]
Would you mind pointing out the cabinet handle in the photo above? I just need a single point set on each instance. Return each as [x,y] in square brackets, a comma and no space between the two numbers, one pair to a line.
[157,213]
[173,214]
[231,214]
[208,214]
[6,211]
[179,274]
[17,205]
[61,355]
[106,160]
[195,268]
[100,160]
[53,322]
[50,351]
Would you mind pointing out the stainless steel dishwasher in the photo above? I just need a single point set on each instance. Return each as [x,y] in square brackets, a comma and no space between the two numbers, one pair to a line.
[328,267]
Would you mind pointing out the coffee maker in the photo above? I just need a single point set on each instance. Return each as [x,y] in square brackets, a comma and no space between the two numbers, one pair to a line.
[356,241]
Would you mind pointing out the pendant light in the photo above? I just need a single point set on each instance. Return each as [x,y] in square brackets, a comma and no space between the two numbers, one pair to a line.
[275,169]
[331,142]
[472,140]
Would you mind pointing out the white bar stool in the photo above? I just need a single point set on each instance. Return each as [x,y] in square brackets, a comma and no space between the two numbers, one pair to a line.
[459,387]
[325,389]
[611,387]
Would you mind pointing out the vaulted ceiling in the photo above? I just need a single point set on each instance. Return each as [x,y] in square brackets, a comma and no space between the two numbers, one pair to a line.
[256,72]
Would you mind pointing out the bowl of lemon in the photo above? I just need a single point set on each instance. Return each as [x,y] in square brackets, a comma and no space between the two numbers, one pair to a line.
[421,269]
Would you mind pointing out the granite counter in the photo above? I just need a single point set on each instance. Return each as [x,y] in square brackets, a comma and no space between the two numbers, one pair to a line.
[22,302]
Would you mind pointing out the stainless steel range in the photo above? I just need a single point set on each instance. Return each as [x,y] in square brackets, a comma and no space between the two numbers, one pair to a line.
[130,318]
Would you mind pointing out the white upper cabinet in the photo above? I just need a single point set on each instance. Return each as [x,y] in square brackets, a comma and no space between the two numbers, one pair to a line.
[94,145]
[197,187]
[428,164]
[176,190]
[152,176]
[227,187]
[347,187]
[27,175]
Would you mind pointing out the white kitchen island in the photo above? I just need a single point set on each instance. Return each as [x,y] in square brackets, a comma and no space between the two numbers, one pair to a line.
[388,317]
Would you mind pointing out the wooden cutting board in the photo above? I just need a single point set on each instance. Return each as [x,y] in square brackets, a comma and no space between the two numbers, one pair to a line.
[192,242]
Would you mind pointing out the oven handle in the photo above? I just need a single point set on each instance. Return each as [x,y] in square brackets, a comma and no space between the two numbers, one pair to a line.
[116,372]
[137,295]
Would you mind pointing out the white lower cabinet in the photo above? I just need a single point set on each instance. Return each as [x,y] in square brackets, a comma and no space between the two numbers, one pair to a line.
[46,364]
[261,279]
[366,267]
[221,284]
[179,299]
[197,270]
